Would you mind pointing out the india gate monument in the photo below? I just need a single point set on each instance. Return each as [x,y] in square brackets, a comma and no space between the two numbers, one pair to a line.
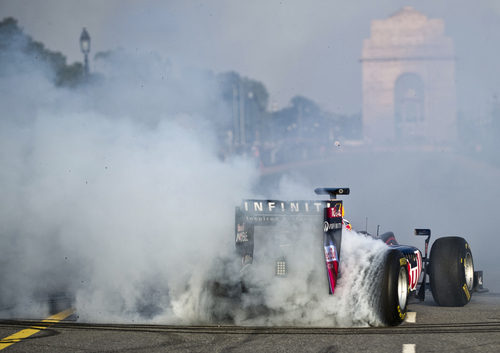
[408,75]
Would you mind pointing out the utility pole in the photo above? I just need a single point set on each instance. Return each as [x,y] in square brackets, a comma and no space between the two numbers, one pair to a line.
[242,115]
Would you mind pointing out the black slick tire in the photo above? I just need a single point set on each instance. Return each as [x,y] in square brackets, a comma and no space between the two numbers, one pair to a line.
[393,295]
[451,271]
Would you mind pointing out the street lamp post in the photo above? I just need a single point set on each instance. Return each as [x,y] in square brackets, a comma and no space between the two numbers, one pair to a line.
[85,48]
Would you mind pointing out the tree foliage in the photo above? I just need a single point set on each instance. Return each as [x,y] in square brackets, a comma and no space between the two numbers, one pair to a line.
[14,42]
[236,106]
[233,86]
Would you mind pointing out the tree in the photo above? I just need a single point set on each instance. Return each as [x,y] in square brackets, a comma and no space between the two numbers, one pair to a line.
[247,101]
[14,42]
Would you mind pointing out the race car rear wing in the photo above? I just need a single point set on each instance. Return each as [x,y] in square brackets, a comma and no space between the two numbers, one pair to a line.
[270,212]
[253,213]
[328,214]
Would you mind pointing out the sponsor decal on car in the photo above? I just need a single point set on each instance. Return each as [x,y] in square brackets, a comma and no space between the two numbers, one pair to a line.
[241,235]
[330,226]
[284,207]
[347,224]
[402,315]
[336,211]
[333,217]
[332,265]
[262,219]
[330,253]
[415,270]
[466,290]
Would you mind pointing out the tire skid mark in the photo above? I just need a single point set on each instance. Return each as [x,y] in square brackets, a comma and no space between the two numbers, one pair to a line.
[474,327]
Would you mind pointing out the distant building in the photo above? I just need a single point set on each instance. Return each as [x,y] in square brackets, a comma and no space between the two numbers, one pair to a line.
[408,70]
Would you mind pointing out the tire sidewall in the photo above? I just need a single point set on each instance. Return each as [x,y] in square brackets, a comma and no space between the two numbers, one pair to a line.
[447,271]
[390,311]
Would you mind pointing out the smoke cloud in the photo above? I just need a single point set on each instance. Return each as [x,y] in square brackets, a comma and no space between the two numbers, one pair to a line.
[301,298]
[114,194]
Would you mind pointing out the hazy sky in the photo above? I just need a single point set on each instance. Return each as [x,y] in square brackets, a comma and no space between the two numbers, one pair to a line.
[295,47]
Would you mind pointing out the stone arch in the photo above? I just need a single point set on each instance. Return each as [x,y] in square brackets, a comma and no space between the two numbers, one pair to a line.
[409,103]
[412,49]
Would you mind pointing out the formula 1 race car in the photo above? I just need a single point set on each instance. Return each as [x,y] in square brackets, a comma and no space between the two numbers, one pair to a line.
[402,273]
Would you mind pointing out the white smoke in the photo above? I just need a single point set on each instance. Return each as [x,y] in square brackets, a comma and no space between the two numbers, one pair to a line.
[302,298]
[127,207]
[122,205]
[114,193]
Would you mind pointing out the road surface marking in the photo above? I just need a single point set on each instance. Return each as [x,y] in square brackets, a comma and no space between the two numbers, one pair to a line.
[19,336]
[409,348]
[411,317]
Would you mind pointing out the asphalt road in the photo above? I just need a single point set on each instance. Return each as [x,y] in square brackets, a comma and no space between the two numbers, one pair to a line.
[473,328]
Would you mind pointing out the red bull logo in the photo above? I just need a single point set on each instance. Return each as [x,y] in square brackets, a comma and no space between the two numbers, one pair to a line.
[347,224]
[336,211]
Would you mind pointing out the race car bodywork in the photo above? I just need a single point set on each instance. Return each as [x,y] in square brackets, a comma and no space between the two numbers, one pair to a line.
[402,272]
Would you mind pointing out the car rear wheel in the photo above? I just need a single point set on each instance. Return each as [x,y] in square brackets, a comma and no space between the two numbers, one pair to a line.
[393,294]
[451,271]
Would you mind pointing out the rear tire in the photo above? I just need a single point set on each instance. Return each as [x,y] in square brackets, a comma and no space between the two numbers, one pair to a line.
[393,300]
[451,271]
